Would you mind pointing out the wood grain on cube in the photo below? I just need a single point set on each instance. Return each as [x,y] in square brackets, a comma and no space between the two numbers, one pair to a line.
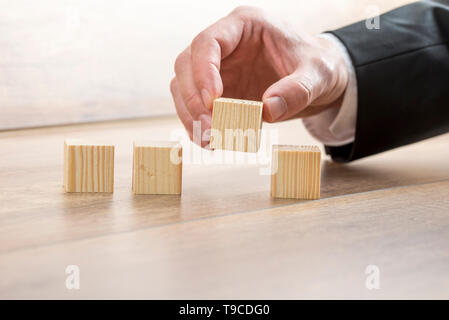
[236,125]
[296,172]
[88,167]
[157,167]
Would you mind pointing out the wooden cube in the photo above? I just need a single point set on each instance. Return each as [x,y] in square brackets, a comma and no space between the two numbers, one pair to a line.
[236,125]
[88,167]
[296,172]
[157,167]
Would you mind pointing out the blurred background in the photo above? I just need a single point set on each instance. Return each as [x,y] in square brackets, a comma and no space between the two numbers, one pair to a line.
[80,61]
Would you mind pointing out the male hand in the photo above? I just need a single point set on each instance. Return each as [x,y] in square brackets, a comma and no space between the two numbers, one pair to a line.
[248,55]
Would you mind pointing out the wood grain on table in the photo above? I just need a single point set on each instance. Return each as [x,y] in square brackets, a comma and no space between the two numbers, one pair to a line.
[225,237]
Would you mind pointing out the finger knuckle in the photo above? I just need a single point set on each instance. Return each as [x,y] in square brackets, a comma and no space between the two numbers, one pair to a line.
[304,90]
[191,100]
[248,12]
[173,86]
[321,64]
[199,39]
[244,9]
[181,61]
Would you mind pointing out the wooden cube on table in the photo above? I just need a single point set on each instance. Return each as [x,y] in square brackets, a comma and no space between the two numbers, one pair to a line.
[296,172]
[236,125]
[157,167]
[88,167]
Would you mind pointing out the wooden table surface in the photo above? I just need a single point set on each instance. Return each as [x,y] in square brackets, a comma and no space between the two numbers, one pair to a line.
[225,237]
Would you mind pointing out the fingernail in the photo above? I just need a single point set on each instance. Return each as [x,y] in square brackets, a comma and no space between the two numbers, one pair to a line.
[276,107]
[205,128]
[206,97]
[206,135]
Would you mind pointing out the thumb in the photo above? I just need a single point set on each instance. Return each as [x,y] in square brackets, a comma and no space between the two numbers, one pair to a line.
[287,97]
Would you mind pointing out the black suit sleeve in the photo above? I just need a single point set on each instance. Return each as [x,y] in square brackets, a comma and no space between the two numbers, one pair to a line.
[402,72]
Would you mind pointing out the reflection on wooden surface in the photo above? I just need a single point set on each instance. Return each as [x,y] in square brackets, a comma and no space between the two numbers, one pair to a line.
[310,250]
[31,182]
[69,62]
[225,237]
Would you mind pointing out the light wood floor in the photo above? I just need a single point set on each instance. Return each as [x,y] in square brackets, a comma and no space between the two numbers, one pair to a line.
[225,237]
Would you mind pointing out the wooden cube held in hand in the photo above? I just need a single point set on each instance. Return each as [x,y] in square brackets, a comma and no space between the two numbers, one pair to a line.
[236,125]
[157,167]
[88,167]
[296,172]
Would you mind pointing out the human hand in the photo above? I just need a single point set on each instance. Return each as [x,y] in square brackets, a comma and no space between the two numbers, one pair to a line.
[248,55]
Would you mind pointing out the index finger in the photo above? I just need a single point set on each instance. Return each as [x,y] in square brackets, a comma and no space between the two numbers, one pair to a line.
[208,49]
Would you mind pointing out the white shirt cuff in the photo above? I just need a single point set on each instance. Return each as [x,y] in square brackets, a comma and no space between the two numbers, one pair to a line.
[336,126]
